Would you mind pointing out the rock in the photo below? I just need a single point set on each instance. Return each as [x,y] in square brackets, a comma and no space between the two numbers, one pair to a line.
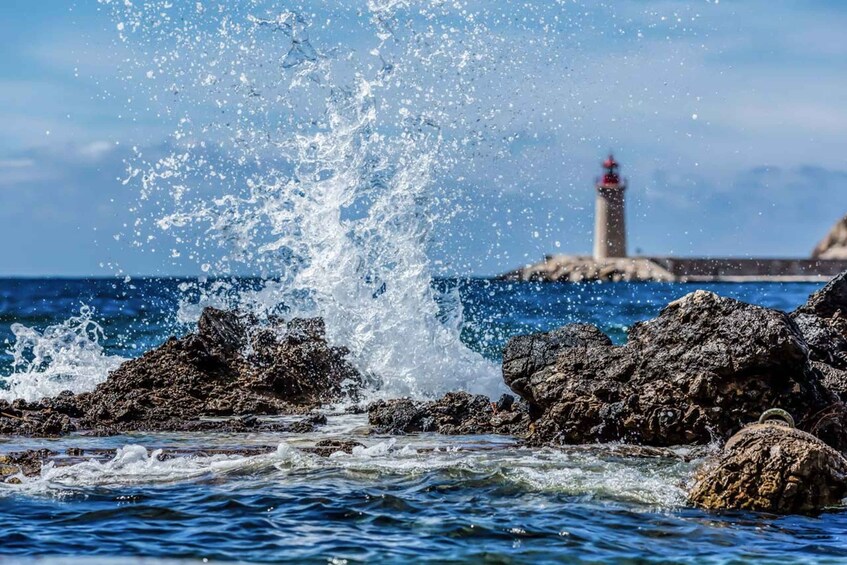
[823,322]
[27,463]
[223,331]
[229,368]
[772,468]
[308,424]
[834,243]
[833,379]
[505,403]
[526,355]
[830,301]
[703,369]
[327,447]
[457,413]
[823,335]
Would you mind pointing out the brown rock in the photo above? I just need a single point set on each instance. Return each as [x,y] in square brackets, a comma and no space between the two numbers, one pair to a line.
[823,323]
[27,463]
[327,447]
[704,368]
[772,468]
[290,369]
[456,413]
[834,243]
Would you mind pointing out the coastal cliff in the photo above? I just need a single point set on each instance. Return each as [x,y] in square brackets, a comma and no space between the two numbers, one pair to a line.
[834,244]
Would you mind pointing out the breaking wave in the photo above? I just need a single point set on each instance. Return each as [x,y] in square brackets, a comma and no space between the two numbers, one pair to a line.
[289,163]
[584,472]
[64,356]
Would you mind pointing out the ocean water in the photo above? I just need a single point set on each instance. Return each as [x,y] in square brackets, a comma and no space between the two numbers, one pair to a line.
[332,148]
[415,498]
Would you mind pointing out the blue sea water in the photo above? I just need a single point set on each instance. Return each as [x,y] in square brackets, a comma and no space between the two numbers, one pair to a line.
[411,499]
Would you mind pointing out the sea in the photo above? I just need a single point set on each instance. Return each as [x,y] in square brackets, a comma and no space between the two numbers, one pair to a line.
[408,499]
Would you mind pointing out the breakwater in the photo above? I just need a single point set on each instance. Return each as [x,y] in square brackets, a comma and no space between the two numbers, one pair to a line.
[576,268]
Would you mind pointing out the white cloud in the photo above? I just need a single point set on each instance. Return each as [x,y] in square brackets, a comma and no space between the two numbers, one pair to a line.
[16,163]
[95,150]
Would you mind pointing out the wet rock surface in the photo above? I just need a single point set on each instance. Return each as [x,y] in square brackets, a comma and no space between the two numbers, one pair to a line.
[705,367]
[772,468]
[456,413]
[327,447]
[823,322]
[219,378]
[27,463]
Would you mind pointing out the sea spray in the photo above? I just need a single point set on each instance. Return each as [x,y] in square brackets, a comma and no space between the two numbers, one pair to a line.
[284,166]
[64,356]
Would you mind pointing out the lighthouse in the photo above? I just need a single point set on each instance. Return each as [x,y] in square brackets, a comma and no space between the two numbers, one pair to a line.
[609,222]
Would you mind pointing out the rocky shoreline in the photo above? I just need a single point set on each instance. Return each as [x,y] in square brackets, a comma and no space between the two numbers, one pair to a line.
[702,372]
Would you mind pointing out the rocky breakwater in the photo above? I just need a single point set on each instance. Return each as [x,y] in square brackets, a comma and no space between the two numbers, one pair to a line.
[834,243]
[575,268]
[220,377]
[699,372]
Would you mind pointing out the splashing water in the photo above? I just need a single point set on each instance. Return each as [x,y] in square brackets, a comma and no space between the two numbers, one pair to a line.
[331,148]
[65,356]
[282,166]
[589,472]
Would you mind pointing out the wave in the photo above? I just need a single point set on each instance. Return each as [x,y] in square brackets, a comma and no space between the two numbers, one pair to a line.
[587,471]
[64,356]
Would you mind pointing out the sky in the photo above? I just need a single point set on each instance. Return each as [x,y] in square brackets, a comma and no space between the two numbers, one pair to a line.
[727,117]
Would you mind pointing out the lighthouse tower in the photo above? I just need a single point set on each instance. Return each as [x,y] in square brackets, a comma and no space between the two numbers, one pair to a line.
[609,223]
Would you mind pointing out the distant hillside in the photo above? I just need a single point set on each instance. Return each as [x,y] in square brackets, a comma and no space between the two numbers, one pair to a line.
[834,245]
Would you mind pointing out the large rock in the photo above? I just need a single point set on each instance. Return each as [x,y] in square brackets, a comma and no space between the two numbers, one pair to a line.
[228,368]
[456,413]
[823,322]
[772,468]
[702,370]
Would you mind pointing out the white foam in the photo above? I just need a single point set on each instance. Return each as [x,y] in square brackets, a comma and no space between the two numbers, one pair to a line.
[64,356]
[584,472]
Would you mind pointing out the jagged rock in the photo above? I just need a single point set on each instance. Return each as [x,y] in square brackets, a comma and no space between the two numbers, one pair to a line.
[456,413]
[703,369]
[823,323]
[526,355]
[833,379]
[290,369]
[772,468]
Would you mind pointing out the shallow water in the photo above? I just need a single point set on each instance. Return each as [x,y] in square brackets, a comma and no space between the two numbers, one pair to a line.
[414,498]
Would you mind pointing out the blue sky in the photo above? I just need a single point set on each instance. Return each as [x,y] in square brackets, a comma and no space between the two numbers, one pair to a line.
[728,119]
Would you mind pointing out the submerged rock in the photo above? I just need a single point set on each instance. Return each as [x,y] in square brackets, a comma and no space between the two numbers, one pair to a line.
[701,370]
[327,447]
[456,413]
[228,371]
[772,468]
[27,463]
